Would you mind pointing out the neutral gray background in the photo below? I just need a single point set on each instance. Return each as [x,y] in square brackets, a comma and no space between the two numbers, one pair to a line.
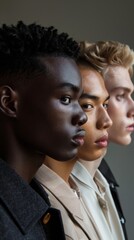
[88,20]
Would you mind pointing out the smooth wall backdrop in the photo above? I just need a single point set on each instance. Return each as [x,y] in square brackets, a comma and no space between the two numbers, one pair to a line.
[88,20]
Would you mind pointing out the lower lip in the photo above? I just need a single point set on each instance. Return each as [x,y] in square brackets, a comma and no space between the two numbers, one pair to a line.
[102,144]
[78,141]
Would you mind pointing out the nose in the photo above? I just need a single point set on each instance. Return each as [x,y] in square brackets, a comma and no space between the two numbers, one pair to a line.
[103,121]
[79,116]
[130,113]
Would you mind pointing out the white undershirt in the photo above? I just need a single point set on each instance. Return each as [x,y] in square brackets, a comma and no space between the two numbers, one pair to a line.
[98,200]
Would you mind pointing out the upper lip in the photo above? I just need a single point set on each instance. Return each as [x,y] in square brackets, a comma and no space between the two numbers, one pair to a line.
[81,133]
[132,125]
[103,138]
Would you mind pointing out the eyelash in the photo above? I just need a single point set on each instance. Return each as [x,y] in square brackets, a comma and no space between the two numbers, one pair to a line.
[105,105]
[119,97]
[85,106]
[63,100]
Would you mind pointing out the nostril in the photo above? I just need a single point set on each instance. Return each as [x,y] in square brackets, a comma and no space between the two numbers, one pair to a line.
[108,123]
[131,113]
[83,119]
[79,116]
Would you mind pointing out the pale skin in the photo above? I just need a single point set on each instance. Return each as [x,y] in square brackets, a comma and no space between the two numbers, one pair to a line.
[120,109]
[121,104]
[93,101]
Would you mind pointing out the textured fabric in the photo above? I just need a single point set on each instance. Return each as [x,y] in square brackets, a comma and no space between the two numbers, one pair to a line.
[76,220]
[107,173]
[22,208]
[98,200]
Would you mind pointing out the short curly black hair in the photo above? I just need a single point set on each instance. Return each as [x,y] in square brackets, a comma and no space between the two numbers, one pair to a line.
[22,45]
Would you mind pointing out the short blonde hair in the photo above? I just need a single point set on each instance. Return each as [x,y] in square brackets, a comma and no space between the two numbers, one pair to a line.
[102,54]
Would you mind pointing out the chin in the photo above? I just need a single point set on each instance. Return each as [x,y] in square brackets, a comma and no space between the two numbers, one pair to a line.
[123,141]
[64,156]
[93,157]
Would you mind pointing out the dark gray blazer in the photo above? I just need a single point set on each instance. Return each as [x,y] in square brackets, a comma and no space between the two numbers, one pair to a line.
[22,210]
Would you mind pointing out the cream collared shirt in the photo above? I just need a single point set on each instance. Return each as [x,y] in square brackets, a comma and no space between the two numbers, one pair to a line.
[98,200]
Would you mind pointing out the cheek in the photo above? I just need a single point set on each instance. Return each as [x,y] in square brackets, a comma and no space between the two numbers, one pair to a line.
[117,115]
[59,123]
[89,128]
[89,138]
[117,129]
[87,148]
[61,120]
[89,124]
[115,112]
[57,114]
[112,108]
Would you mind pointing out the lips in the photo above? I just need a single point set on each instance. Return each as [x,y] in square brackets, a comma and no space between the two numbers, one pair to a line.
[78,139]
[131,127]
[103,141]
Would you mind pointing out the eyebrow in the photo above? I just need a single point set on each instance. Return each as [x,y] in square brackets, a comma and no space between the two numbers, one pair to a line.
[71,86]
[122,88]
[93,97]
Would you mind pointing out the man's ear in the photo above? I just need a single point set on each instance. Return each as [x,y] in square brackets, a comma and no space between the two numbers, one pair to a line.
[8,101]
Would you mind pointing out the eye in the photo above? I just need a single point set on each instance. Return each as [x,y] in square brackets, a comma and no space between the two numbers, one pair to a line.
[86,106]
[105,105]
[119,97]
[65,100]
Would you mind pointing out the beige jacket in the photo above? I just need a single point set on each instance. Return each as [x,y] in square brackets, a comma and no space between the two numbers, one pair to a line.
[77,224]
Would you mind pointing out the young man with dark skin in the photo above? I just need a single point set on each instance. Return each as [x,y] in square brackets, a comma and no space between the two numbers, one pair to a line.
[40,86]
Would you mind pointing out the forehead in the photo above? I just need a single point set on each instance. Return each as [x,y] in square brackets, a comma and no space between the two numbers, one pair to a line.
[118,77]
[61,70]
[92,82]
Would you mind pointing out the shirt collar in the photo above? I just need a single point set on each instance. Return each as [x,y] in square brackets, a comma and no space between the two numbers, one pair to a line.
[98,184]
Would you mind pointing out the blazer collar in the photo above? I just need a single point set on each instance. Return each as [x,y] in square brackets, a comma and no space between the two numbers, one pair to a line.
[25,205]
[62,191]
[65,195]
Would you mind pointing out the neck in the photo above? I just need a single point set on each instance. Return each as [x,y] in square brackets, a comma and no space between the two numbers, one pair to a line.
[25,162]
[91,166]
[63,169]
[26,167]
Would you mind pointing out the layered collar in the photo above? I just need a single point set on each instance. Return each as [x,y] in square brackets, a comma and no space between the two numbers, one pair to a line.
[63,192]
